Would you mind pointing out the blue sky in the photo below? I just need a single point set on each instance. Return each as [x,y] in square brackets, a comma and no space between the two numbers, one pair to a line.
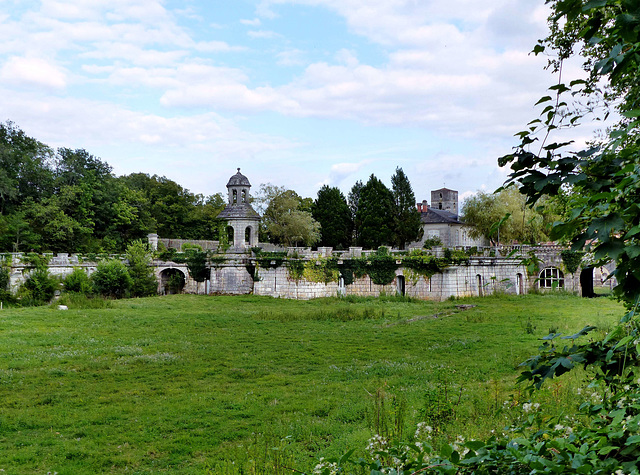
[298,93]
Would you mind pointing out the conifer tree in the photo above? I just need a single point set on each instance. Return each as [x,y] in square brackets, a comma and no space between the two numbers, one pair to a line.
[331,210]
[407,226]
[376,212]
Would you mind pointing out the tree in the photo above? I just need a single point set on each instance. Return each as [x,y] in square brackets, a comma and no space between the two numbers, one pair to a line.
[331,210]
[111,279]
[354,200]
[602,179]
[407,224]
[143,281]
[504,216]
[376,214]
[197,265]
[285,223]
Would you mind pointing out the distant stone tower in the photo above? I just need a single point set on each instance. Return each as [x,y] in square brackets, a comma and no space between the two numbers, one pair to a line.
[240,216]
[445,199]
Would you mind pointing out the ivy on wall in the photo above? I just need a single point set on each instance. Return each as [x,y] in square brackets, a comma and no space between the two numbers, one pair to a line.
[571,260]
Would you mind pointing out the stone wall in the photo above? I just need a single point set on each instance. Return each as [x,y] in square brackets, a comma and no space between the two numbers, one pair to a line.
[496,270]
[483,276]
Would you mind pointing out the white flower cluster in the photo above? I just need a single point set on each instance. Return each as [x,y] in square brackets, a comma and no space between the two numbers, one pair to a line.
[459,447]
[423,431]
[376,443]
[527,406]
[560,428]
[322,466]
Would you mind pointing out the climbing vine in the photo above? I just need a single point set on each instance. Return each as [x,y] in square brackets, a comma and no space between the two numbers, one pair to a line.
[296,269]
[572,260]
[321,270]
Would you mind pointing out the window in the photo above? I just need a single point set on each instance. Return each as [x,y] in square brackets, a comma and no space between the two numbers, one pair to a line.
[550,278]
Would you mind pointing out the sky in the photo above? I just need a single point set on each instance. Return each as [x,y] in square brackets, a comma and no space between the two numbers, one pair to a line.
[296,93]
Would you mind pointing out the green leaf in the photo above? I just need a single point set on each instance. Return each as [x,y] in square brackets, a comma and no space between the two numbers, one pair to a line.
[631,113]
[543,99]
[446,451]
[594,4]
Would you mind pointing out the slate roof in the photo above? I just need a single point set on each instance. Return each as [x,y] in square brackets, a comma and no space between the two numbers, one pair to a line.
[238,180]
[239,211]
[433,215]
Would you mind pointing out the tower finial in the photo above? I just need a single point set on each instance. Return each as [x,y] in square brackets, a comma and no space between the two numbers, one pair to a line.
[238,169]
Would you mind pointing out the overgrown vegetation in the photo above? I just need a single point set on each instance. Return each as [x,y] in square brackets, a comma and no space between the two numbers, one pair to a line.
[194,384]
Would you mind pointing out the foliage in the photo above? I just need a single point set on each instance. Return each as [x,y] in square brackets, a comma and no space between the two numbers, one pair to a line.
[407,224]
[78,281]
[431,242]
[375,215]
[603,179]
[321,270]
[331,211]
[354,200]
[287,223]
[39,288]
[523,223]
[35,261]
[269,259]
[139,257]
[176,282]
[4,279]
[296,269]
[111,279]
[571,260]
[197,265]
[66,199]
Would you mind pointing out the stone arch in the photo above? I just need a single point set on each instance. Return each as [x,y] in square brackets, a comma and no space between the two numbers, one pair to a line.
[550,278]
[234,197]
[401,289]
[172,281]
[245,195]
[248,235]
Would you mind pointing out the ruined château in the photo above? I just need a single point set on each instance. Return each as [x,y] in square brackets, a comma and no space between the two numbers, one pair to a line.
[459,268]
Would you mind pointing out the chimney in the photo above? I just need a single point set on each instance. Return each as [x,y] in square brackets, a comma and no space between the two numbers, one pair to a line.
[419,205]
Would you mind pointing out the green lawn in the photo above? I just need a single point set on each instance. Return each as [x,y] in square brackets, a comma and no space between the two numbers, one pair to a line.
[190,384]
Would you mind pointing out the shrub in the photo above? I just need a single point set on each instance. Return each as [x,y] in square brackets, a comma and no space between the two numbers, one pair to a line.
[39,288]
[144,282]
[111,279]
[78,281]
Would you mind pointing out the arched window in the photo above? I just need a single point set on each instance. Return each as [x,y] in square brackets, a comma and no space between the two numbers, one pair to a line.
[235,197]
[230,235]
[247,235]
[550,278]
[244,196]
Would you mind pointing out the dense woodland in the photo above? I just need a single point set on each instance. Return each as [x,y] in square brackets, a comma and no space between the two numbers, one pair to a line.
[70,201]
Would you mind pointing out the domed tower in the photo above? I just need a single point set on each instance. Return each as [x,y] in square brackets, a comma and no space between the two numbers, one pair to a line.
[242,218]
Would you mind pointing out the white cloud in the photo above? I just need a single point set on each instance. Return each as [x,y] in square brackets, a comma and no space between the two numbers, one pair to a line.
[34,72]
[264,34]
[254,22]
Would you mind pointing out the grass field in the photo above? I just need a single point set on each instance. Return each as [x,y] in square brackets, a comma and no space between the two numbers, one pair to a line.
[197,384]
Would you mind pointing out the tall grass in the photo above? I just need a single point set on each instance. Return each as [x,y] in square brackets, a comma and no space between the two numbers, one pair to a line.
[196,384]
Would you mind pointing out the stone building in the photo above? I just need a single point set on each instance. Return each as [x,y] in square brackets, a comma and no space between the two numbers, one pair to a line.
[242,219]
[440,220]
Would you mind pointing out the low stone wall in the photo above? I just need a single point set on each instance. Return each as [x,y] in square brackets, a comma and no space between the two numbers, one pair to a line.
[239,273]
[481,277]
